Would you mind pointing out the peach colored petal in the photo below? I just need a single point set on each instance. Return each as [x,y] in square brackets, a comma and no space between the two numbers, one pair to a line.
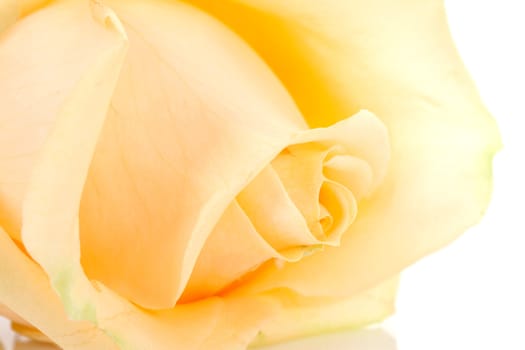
[34,86]
[300,168]
[396,59]
[181,139]
[306,316]
[9,11]
[8,313]
[50,216]
[269,218]
[25,289]
[29,6]
[277,219]
[29,331]
[234,248]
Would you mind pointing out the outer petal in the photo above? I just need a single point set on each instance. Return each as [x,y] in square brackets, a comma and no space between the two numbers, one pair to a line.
[397,59]
[8,313]
[305,316]
[50,216]
[34,86]
[8,13]
[24,287]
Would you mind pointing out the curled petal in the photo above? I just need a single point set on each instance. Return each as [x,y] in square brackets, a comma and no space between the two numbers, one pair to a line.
[25,289]
[306,316]
[291,209]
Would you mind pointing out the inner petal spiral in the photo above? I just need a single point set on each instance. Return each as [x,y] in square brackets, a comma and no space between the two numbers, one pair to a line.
[300,202]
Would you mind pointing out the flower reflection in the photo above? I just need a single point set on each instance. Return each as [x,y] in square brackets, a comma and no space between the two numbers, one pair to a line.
[366,339]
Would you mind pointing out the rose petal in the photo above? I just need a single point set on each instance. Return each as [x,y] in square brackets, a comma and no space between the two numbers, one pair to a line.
[28,6]
[50,216]
[306,316]
[398,60]
[8,13]
[270,215]
[25,289]
[34,86]
[182,138]
[352,172]
[300,168]
[276,217]
[46,92]
[232,249]
[8,313]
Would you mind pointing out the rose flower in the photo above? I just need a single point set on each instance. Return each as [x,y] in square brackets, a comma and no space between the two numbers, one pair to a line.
[214,174]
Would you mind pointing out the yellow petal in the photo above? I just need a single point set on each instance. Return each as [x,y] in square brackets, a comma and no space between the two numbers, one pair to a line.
[396,59]
[306,170]
[31,332]
[50,216]
[300,168]
[265,108]
[33,88]
[234,248]
[8,313]
[181,139]
[25,289]
[290,209]
[306,316]
[29,6]
[8,13]
[275,216]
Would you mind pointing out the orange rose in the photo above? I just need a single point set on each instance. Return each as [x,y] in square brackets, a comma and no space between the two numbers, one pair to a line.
[215,174]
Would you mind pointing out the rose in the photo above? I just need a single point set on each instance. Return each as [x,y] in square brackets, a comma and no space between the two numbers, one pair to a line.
[150,120]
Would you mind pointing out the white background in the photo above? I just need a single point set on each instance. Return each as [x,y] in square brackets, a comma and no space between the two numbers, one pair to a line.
[470,295]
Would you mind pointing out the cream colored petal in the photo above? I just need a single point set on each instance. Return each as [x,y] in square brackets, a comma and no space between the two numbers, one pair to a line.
[32,333]
[194,117]
[352,172]
[396,59]
[234,248]
[29,6]
[329,206]
[269,218]
[300,168]
[273,213]
[9,11]
[25,289]
[50,216]
[8,313]
[340,207]
[364,135]
[306,316]
[240,323]
[35,80]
